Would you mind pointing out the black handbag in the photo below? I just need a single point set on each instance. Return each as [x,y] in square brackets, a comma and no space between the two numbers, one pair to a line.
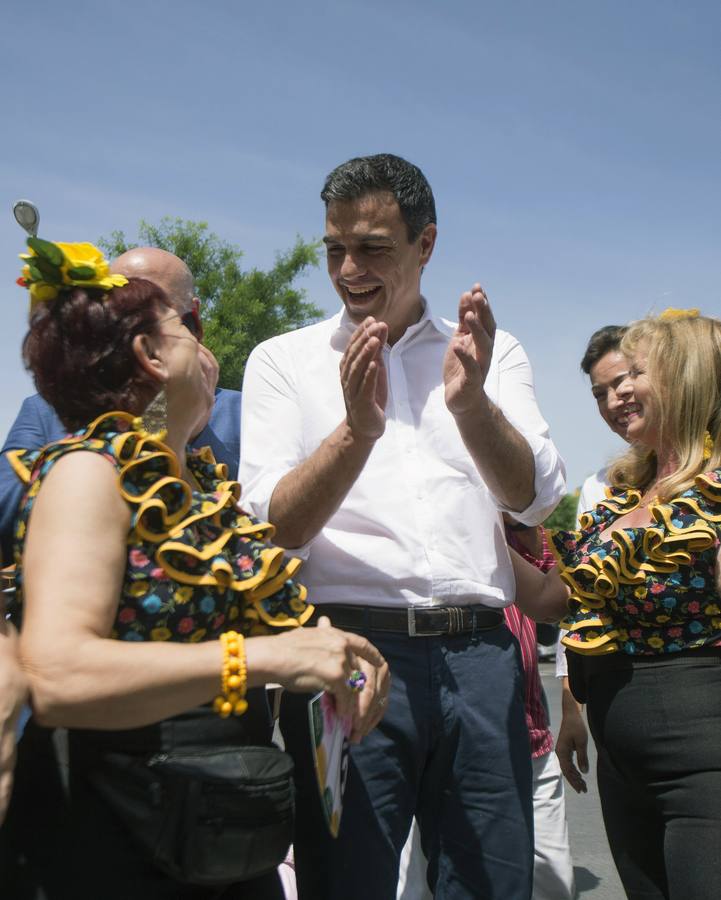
[203,815]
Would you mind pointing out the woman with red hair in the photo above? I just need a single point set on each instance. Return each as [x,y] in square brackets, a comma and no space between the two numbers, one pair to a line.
[151,603]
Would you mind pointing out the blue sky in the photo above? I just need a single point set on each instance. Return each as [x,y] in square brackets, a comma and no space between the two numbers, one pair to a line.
[574,149]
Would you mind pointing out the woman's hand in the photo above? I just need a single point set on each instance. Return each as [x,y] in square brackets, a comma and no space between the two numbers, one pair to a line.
[540,596]
[13,694]
[322,659]
[572,739]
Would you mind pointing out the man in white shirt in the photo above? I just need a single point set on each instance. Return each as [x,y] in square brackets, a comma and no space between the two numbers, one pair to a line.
[608,369]
[391,480]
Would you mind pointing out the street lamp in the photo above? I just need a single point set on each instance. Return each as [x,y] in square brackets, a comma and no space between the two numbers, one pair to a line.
[27,216]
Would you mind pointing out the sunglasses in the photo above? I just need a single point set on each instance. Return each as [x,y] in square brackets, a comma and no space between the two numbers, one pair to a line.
[192,322]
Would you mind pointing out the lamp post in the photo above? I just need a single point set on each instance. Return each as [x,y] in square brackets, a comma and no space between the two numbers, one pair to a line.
[27,216]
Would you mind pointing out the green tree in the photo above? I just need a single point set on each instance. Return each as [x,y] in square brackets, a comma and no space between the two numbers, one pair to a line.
[239,308]
[564,515]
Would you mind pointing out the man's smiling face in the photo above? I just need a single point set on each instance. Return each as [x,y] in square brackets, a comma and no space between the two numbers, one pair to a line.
[374,268]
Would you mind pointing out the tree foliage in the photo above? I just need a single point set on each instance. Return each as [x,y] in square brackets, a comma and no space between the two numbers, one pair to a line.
[238,308]
[564,515]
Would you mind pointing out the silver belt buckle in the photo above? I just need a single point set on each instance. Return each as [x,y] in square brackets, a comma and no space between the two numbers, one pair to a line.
[412,626]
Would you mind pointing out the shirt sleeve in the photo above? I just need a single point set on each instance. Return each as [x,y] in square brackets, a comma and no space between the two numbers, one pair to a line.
[584,502]
[35,426]
[561,662]
[271,426]
[517,400]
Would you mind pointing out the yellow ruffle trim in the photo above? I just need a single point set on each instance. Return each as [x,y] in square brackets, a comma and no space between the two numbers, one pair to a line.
[163,510]
[665,545]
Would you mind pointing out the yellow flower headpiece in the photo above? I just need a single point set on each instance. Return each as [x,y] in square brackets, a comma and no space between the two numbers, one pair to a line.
[53,267]
[673,313]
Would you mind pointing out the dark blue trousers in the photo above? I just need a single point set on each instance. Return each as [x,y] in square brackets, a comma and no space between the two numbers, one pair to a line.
[453,750]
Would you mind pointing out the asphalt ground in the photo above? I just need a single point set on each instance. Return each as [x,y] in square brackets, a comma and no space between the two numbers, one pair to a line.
[596,876]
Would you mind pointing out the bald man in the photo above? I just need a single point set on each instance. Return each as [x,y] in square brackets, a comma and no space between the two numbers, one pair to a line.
[32,852]
[37,424]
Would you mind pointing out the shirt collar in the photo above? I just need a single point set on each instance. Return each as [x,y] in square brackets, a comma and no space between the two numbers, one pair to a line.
[343,326]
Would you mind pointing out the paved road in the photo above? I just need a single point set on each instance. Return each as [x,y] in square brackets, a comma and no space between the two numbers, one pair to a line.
[596,876]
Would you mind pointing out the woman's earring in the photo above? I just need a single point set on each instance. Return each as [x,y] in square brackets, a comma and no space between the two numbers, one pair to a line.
[155,417]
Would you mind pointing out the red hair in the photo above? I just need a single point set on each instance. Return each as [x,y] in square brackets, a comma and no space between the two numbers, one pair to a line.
[79,350]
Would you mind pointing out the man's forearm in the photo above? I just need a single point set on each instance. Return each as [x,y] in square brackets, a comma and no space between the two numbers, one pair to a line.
[500,453]
[305,498]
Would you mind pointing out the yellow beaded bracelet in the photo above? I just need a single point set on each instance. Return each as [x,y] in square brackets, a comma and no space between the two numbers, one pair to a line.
[234,677]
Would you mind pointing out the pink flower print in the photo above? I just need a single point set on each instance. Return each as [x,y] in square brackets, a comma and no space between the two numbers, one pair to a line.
[694,606]
[656,588]
[186,625]
[218,621]
[675,632]
[648,606]
[138,559]
[158,574]
[635,633]
[126,614]
[245,563]
[631,609]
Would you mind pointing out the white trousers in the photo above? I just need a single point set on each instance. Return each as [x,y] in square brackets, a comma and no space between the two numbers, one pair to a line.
[552,867]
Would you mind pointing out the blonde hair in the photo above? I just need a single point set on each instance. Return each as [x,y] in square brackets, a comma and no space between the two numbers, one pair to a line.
[684,370]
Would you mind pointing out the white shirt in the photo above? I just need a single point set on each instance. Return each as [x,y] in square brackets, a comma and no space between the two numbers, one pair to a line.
[419,526]
[593,491]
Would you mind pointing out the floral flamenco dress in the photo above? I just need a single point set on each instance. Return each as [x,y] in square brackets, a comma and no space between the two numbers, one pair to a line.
[644,652]
[196,566]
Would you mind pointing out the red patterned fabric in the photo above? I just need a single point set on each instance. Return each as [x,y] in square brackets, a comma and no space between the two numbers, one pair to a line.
[525,630]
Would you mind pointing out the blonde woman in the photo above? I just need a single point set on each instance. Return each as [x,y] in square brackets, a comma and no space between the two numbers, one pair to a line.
[644,613]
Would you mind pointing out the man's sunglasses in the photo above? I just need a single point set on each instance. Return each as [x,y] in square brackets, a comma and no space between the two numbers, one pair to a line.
[192,322]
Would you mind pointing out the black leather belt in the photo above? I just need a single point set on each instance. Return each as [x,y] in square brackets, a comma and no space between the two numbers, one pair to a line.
[416,621]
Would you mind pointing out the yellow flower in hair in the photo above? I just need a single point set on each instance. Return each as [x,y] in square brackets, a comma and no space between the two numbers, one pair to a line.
[80,259]
[51,267]
[673,313]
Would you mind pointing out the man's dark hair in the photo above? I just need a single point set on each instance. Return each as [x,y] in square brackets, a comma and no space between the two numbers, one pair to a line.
[603,341]
[385,172]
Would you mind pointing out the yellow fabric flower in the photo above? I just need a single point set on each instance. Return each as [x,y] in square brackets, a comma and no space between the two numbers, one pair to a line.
[161,634]
[672,313]
[707,446]
[198,635]
[640,592]
[50,267]
[139,588]
[183,594]
[655,642]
